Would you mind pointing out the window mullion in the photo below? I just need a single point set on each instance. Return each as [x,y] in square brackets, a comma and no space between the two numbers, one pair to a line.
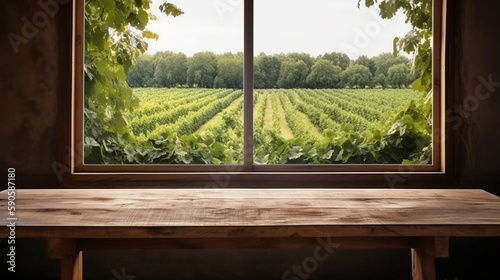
[248,84]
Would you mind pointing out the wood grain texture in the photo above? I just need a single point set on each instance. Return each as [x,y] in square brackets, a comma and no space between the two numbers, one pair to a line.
[72,267]
[423,265]
[252,213]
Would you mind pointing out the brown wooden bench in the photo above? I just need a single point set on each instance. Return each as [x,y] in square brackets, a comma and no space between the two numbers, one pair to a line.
[77,220]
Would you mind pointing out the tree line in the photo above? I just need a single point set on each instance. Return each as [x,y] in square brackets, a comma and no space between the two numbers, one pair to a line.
[292,70]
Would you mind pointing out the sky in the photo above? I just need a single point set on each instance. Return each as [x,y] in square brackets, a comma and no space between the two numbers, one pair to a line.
[280,26]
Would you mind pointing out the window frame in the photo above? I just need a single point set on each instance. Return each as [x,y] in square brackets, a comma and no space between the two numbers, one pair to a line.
[296,175]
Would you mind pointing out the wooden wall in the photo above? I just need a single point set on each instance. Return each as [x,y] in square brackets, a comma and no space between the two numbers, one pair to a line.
[29,76]
[30,85]
[477,60]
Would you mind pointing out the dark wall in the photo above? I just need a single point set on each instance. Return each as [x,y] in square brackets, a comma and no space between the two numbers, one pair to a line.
[479,60]
[29,90]
[30,85]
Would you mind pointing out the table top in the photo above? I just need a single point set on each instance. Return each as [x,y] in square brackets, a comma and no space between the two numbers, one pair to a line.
[261,213]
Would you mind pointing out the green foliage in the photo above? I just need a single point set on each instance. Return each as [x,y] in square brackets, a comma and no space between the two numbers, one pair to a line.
[202,70]
[404,138]
[163,69]
[180,109]
[417,41]
[384,61]
[330,110]
[307,58]
[368,62]
[293,74]
[166,132]
[170,9]
[170,69]
[172,139]
[230,71]
[142,73]
[340,59]
[295,122]
[399,75]
[358,76]
[114,39]
[381,80]
[176,69]
[266,71]
[324,74]
[386,137]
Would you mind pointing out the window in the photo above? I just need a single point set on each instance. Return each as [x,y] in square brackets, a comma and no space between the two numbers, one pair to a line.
[307,101]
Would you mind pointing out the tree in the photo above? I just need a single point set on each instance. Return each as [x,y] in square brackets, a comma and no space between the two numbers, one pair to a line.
[142,73]
[307,58]
[170,70]
[324,74]
[358,76]
[202,70]
[381,80]
[399,75]
[340,59]
[368,62]
[384,61]
[266,71]
[418,40]
[230,71]
[293,74]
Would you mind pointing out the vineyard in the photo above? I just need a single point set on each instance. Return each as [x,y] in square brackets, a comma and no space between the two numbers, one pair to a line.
[176,108]
[205,126]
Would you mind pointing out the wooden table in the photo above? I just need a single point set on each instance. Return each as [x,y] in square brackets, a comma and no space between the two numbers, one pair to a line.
[87,219]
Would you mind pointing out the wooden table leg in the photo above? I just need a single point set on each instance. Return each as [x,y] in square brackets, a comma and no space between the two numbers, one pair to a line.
[423,265]
[72,267]
[423,256]
[70,254]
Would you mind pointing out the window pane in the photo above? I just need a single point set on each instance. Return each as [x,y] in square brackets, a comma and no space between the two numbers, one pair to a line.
[328,89]
[182,99]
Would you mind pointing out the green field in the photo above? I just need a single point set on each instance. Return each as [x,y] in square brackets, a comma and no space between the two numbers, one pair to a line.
[290,126]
